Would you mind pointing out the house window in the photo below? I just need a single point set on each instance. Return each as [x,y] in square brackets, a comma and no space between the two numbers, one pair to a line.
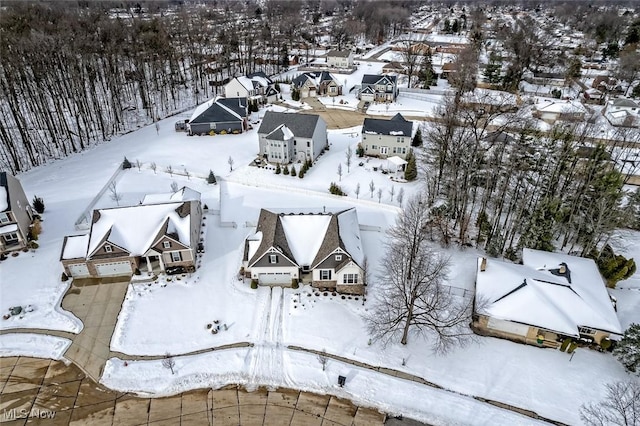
[166,244]
[308,144]
[175,256]
[10,238]
[364,137]
[108,248]
[338,257]
[294,142]
[374,147]
[586,330]
[350,279]
[273,258]
[212,126]
[4,218]
[384,150]
[325,274]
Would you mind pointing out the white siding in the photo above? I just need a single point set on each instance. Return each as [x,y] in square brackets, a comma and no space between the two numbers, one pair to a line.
[256,271]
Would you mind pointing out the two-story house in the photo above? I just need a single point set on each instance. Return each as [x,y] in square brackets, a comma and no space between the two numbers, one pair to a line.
[378,88]
[323,248]
[340,58]
[15,214]
[387,138]
[291,137]
[313,84]
[256,87]
[161,233]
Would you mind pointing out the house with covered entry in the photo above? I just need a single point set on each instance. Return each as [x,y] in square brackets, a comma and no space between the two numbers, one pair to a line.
[314,84]
[161,232]
[16,215]
[321,248]
[291,137]
[547,299]
[256,87]
[219,115]
[378,88]
[387,138]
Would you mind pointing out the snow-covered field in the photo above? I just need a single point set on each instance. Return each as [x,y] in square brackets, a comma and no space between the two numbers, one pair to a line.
[172,316]
[33,345]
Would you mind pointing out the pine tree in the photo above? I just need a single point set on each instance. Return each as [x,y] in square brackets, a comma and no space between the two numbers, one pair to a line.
[38,204]
[285,170]
[411,172]
[417,139]
[126,164]
[293,171]
[278,169]
[628,349]
[212,178]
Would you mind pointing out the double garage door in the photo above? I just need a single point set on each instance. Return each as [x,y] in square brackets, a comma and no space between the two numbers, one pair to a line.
[281,278]
[113,269]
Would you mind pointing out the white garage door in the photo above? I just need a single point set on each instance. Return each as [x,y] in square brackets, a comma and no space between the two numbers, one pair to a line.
[79,270]
[508,326]
[280,278]
[114,269]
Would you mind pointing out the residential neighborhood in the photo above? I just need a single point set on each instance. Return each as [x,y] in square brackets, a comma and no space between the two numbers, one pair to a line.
[320,213]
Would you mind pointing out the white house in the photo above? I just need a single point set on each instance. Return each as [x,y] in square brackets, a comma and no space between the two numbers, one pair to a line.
[340,58]
[256,87]
[622,112]
[547,299]
[552,110]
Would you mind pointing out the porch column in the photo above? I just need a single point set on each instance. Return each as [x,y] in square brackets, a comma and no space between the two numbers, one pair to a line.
[161,262]
[149,268]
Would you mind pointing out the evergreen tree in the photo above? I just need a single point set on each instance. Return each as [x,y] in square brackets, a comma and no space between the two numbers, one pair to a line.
[126,164]
[411,171]
[417,139]
[278,169]
[427,74]
[212,178]
[293,171]
[539,232]
[38,204]
[628,349]
[493,68]
[285,170]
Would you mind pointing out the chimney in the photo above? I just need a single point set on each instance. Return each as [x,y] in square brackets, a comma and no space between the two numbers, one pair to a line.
[562,269]
[483,264]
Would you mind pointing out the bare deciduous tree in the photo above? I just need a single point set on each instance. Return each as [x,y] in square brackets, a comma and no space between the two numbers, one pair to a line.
[322,359]
[170,170]
[174,186]
[400,196]
[187,174]
[392,192]
[372,187]
[139,165]
[621,406]
[168,362]
[153,167]
[114,194]
[379,195]
[412,299]
[340,171]
[357,191]
[230,162]
[349,158]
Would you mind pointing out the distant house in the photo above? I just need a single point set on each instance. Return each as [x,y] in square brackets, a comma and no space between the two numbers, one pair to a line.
[15,214]
[340,58]
[605,84]
[290,137]
[552,110]
[393,67]
[386,138]
[547,299]
[594,96]
[622,112]
[162,232]
[218,115]
[378,88]
[324,249]
[313,84]
[256,87]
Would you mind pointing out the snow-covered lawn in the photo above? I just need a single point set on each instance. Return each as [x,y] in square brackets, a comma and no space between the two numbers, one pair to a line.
[33,345]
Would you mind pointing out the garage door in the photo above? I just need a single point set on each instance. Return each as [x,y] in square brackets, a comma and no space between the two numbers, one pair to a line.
[79,270]
[280,278]
[114,269]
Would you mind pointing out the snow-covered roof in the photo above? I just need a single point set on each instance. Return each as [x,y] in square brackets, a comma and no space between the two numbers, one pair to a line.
[349,229]
[396,126]
[75,247]
[135,228]
[548,105]
[537,294]
[4,199]
[397,161]
[304,235]
[12,227]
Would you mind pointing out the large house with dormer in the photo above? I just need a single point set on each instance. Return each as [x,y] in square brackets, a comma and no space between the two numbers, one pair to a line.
[291,137]
[321,248]
[320,83]
[15,214]
[219,115]
[256,87]
[387,138]
[161,232]
[378,88]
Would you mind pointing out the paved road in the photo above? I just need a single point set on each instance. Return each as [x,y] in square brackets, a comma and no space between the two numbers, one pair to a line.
[41,387]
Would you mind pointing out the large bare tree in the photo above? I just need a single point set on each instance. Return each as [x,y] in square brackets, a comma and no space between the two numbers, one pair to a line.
[621,406]
[412,298]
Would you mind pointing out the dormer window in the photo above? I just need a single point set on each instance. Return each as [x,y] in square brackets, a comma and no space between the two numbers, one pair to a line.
[166,244]
[108,248]
[338,257]
[273,258]
[4,218]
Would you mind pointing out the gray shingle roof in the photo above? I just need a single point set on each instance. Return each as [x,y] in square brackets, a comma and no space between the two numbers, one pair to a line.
[388,127]
[339,53]
[624,103]
[223,110]
[302,125]
[374,78]
[272,236]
